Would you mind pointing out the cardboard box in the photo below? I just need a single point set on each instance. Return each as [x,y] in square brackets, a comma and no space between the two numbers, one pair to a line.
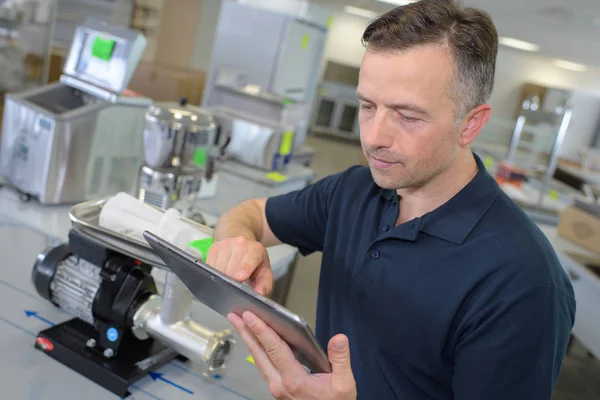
[167,83]
[580,227]
[34,65]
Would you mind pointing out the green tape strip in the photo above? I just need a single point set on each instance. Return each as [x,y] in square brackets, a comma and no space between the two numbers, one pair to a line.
[200,156]
[103,48]
[287,140]
[276,177]
[202,245]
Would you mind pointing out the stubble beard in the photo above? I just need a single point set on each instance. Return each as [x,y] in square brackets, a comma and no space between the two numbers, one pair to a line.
[414,176]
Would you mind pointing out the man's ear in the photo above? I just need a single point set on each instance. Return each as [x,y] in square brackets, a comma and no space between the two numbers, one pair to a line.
[475,121]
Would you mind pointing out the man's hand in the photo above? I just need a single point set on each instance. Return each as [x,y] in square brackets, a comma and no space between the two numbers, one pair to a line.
[286,377]
[242,259]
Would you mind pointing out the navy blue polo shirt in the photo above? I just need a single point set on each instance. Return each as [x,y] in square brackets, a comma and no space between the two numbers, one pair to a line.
[468,301]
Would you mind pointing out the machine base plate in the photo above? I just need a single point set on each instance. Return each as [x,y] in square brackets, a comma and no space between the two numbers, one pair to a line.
[66,343]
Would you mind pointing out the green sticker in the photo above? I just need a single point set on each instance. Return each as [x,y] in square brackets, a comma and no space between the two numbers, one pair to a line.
[200,156]
[323,92]
[202,245]
[276,177]
[287,140]
[329,21]
[103,48]
[285,102]
[305,41]
[488,162]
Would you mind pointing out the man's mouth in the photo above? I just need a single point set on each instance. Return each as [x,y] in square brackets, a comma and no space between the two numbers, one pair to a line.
[382,164]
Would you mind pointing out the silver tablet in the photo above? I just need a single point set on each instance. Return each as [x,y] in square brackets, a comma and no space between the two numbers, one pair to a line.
[225,295]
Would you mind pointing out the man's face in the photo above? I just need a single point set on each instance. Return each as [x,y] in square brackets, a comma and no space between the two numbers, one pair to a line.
[407,119]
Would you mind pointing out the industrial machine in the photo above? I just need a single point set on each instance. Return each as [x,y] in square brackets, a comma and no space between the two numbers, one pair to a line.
[80,138]
[123,328]
[254,141]
[179,140]
[265,60]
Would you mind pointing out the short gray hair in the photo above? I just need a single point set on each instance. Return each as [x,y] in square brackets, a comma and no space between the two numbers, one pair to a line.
[469,34]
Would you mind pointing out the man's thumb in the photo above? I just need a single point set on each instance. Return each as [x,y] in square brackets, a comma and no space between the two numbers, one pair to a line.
[339,355]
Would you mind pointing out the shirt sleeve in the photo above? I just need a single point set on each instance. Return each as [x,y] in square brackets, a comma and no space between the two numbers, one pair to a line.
[513,349]
[300,218]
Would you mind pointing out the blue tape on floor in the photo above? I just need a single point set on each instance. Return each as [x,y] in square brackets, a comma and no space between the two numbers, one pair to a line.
[18,327]
[3,282]
[13,287]
[145,392]
[189,371]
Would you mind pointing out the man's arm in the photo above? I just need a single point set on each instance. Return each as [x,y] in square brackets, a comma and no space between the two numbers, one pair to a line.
[298,218]
[248,220]
[513,348]
[241,237]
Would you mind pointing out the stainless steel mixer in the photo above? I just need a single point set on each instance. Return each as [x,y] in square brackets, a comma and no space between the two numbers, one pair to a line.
[179,144]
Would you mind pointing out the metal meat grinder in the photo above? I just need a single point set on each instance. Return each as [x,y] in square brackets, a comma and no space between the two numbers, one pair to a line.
[179,149]
[123,328]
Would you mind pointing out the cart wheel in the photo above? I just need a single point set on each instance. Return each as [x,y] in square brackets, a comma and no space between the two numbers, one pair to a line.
[25,197]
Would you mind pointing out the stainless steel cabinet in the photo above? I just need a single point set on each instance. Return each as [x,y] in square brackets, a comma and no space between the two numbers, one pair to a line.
[336,112]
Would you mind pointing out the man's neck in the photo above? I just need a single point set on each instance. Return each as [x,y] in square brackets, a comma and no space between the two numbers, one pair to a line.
[416,202]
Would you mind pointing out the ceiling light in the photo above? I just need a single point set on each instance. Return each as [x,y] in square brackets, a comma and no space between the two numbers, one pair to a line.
[570,66]
[361,12]
[398,2]
[518,44]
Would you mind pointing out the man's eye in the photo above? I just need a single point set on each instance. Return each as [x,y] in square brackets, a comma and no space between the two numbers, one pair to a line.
[366,107]
[409,119]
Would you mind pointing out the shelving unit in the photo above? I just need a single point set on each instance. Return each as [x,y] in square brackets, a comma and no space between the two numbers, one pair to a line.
[545,128]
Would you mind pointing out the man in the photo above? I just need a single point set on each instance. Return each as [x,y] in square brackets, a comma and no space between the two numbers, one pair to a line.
[434,285]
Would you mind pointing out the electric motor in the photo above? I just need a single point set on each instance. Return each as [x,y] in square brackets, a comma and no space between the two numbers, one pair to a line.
[104,289]
[74,286]
[117,295]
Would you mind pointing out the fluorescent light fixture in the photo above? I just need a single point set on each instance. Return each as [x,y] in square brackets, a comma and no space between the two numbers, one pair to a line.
[361,12]
[571,66]
[398,2]
[518,44]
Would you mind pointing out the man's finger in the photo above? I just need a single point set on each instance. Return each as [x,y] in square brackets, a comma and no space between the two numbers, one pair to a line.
[262,279]
[262,361]
[222,258]
[250,261]
[211,258]
[235,258]
[278,351]
[338,352]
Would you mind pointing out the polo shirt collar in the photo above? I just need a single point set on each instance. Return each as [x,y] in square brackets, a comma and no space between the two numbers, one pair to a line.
[454,220]
[387,194]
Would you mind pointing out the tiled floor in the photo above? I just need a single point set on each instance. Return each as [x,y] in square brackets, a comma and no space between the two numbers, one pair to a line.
[580,376]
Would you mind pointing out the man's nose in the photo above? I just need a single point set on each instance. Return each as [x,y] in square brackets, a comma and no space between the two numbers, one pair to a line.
[375,133]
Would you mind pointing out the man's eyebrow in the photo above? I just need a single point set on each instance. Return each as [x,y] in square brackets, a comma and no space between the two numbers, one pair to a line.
[362,97]
[409,107]
[399,106]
